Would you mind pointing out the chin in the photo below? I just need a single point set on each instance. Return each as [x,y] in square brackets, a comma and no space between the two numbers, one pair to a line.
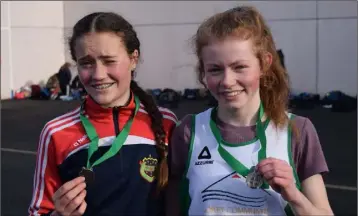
[102,100]
[235,103]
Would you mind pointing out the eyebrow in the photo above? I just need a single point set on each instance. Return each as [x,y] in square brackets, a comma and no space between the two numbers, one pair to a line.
[234,63]
[237,62]
[104,57]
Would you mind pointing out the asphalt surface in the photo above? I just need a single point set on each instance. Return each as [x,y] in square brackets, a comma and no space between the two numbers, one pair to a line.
[22,121]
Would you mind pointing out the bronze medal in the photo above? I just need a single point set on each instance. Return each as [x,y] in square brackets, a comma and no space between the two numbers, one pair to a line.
[88,174]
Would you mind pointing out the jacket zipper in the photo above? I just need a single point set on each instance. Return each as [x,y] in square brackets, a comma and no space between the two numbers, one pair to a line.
[116,130]
[115,120]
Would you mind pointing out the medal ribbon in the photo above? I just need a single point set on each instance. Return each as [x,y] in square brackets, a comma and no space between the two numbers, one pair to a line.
[231,160]
[117,143]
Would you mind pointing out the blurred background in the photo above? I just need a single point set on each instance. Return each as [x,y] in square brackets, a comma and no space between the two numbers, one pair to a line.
[317,38]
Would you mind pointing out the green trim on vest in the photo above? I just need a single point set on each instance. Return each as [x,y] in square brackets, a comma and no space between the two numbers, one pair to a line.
[292,163]
[184,186]
[288,209]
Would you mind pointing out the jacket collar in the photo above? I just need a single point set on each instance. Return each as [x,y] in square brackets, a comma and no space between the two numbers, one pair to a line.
[95,111]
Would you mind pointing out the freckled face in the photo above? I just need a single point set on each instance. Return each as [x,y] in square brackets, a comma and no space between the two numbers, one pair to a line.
[105,67]
[232,72]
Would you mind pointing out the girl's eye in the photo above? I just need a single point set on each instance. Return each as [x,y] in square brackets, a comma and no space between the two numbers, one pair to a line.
[86,64]
[108,62]
[240,67]
[214,70]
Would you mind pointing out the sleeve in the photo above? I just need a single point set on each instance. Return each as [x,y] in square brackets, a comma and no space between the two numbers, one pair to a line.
[169,122]
[177,157]
[46,178]
[179,147]
[310,159]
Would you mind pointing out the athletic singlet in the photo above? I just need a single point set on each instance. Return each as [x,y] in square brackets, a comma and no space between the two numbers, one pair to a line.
[124,184]
[212,187]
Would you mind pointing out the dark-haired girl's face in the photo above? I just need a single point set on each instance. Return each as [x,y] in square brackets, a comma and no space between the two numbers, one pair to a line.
[104,67]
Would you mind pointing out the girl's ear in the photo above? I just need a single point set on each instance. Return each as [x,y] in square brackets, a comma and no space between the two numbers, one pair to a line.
[267,61]
[134,59]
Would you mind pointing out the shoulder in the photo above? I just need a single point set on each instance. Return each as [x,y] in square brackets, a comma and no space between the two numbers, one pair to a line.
[187,122]
[63,121]
[169,119]
[59,134]
[303,125]
[168,114]
[179,146]
[184,126]
[306,148]
[57,126]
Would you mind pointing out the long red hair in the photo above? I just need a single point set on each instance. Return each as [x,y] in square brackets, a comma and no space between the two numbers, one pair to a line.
[247,23]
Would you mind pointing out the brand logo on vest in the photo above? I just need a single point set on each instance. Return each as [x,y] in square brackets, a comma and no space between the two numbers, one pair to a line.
[204,157]
[147,168]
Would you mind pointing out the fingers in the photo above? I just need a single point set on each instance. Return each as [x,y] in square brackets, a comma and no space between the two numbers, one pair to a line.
[73,194]
[271,160]
[81,210]
[75,203]
[70,195]
[67,187]
[276,173]
[278,181]
[272,168]
[273,164]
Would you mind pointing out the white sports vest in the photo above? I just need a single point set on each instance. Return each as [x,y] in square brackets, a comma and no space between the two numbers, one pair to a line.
[212,187]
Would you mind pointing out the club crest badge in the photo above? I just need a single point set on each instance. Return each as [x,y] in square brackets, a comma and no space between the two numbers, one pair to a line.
[147,168]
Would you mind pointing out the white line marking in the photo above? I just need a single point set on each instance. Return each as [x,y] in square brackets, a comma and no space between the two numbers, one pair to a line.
[19,151]
[341,187]
[330,186]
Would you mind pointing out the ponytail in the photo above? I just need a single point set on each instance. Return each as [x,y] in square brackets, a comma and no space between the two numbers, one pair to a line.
[158,129]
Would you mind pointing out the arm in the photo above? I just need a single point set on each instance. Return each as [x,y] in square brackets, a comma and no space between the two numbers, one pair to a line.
[311,164]
[313,199]
[177,157]
[46,178]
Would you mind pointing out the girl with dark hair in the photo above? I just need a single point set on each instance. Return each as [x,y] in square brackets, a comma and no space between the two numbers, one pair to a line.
[108,156]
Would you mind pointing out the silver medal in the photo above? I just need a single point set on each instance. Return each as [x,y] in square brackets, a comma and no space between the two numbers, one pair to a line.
[254,179]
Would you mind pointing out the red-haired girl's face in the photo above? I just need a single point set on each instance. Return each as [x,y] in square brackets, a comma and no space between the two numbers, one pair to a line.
[232,72]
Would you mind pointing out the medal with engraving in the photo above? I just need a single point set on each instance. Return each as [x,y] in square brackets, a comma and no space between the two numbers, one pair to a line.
[118,142]
[254,179]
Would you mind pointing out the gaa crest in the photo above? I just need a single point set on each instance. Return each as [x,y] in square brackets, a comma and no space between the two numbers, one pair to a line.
[147,168]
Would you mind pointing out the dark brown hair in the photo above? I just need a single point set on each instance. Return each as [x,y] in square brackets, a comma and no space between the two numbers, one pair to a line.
[247,23]
[111,22]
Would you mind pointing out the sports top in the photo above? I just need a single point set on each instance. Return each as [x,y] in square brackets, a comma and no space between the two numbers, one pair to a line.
[124,184]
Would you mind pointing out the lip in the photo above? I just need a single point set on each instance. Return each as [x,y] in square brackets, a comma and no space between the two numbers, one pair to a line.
[224,92]
[97,84]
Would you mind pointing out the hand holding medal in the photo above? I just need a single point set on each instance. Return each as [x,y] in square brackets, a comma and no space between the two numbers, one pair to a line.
[69,199]
[279,175]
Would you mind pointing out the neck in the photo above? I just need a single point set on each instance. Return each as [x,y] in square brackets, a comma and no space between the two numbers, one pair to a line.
[245,116]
